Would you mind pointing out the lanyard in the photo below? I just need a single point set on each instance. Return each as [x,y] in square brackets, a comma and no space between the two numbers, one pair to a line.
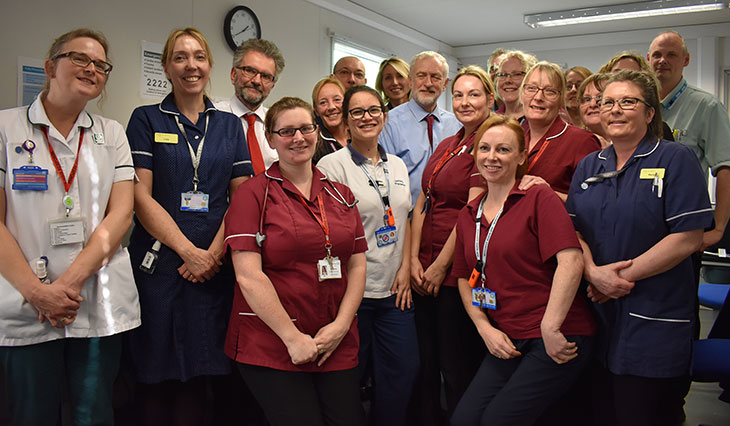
[542,149]
[388,218]
[482,260]
[322,222]
[675,97]
[600,177]
[194,156]
[57,164]
[448,155]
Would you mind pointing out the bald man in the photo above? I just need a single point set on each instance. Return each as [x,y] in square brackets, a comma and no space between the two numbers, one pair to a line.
[699,121]
[350,71]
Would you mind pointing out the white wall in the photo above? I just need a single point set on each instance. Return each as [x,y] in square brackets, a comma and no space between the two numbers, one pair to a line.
[300,28]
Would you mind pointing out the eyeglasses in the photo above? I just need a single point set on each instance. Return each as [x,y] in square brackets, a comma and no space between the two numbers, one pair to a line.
[358,113]
[626,104]
[83,61]
[587,99]
[549,93]
[512,75]
[288,132]
[251,72]
[344,72]
[570,86]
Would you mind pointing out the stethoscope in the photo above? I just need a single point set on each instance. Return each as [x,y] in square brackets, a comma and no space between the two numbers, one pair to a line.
[260,236]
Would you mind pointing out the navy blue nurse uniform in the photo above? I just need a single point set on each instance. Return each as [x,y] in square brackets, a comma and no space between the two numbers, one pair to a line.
[647,333]
[183,323]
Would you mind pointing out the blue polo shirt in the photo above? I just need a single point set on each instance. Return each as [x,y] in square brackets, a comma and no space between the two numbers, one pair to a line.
[406,135]
[648,332]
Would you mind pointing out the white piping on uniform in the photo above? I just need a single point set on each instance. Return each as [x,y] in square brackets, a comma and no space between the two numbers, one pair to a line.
[709,209]
[658,319]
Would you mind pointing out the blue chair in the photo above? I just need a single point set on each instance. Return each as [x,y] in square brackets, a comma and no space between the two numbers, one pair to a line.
[713,295]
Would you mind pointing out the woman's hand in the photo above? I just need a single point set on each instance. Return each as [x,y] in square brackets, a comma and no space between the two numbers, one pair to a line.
[200,265]
[402,289]
[607,280]
[557,347]
[529,181]
[433,278]
[595,295]
[328,338]
[302,349]
[499,344]
[417,277]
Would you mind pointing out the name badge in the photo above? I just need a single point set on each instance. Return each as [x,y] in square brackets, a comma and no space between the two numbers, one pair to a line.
[98,138]
[386,235]
[30,178]
[66,230]
[483,298]
[166,137]
[329,268]
[194,202]
[651,173]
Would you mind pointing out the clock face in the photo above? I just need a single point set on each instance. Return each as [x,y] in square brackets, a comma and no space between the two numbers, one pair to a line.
[240,25]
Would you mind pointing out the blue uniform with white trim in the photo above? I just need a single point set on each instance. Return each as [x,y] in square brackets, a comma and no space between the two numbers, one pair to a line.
[183,324]
[648,332]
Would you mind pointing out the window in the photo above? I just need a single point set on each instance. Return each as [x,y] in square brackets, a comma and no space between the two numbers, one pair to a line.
[371,58]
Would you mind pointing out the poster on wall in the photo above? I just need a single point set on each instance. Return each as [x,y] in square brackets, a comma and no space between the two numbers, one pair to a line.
[153,83]
[31,78]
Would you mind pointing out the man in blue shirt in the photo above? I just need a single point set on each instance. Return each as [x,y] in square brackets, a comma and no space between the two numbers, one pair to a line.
[413,130]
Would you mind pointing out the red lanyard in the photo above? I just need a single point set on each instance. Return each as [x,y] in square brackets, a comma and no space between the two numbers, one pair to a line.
[539,154]
[448,155]
[57,164]
[323,222]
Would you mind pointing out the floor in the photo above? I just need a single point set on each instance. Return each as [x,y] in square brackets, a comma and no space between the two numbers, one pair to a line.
[702,406]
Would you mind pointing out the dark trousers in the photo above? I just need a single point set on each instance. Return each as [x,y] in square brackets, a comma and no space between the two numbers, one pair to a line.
[306,399]
[624,400]
[37,377]
[449,346]
[518,391]
[388,351]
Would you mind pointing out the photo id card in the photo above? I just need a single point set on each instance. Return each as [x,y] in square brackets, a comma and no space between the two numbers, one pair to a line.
[483,298]
[386,235]
[66,230]
[30,178]
[329,268]
[194,202]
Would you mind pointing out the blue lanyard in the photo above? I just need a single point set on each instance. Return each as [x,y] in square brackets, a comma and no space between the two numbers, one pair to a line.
[675,97]
[482,260]
[384,200]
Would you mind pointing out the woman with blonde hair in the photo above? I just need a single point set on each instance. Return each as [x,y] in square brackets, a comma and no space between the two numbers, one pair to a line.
[189,158]
[573,78]
[511,71]
[393,82]
[327,97]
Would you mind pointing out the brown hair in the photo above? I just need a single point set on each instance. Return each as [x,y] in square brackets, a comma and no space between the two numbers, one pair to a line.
[608,66]
[478,72]
[649,87]
[284,104]
[266,48]
[502,120]
[598,80]
[60,42]
[356,89]
[189,31]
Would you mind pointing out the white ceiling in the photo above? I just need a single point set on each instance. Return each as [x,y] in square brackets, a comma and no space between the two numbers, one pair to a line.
[460,23]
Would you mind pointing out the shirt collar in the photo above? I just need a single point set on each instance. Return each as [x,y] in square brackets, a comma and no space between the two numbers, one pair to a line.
[419,113]
[37,116]
[514,195]
[168,105]
[318,180]
[239,109]
[646,147]
[674,91]
[360,159]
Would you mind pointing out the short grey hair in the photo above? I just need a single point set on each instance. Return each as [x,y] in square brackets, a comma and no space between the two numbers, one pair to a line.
[265,47]
[435,55]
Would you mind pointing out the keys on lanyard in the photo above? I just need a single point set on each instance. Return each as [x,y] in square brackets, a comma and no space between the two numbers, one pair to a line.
[329,267]
[482,296]
[388,233]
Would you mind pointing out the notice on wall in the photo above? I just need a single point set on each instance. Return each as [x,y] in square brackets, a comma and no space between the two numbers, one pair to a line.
[153,83]
[31,78]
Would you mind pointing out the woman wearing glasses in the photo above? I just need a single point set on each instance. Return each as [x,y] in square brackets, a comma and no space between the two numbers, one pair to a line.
[554,147]
[512,70]
[189,158]
[297,245]
[327,98]
[573,79]
[388,345]
[640,207]
[589,94]
[66,284]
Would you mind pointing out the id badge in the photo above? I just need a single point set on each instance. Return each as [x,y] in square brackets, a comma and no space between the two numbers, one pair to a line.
[329,268]
[194,202]
[490,299]
[386,235]
[477,297]
[66,230]
[30,178]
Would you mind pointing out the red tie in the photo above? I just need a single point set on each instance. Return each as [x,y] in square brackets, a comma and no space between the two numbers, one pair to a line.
[429,120]
[257,160]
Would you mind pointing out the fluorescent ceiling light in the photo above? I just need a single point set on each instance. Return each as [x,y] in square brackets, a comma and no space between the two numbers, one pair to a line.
[621,11]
